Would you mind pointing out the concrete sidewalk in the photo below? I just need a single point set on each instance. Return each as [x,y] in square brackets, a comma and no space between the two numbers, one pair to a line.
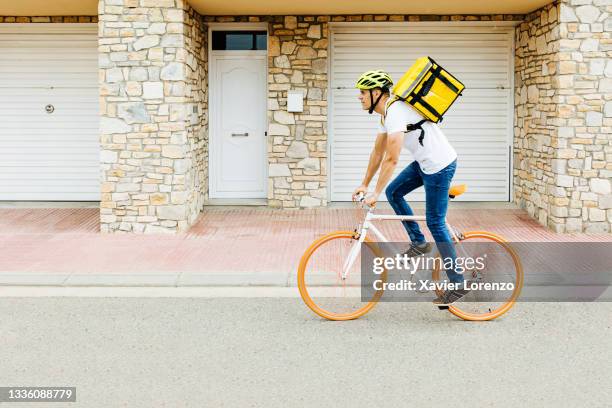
[227,246]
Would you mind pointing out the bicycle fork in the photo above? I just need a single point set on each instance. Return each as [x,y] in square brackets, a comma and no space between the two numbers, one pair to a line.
[353,254]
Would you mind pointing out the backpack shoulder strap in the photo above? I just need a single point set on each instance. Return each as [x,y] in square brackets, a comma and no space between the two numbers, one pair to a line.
[418,126]
[383,117]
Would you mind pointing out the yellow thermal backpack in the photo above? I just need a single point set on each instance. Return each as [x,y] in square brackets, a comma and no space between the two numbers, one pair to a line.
[429,88]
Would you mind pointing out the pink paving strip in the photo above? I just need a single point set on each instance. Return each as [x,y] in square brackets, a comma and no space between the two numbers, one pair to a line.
[223,240]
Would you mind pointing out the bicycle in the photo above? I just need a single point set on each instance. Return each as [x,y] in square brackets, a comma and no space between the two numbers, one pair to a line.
[329,282]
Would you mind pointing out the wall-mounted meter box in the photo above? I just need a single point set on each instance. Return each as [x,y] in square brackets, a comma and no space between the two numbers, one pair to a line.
[295,100]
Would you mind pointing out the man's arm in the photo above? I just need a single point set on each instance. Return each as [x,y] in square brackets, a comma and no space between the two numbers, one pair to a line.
[393,148]
[375,158]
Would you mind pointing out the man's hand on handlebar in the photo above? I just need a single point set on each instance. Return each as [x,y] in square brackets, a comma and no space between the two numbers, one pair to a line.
[360,193]
[361,196]
[371,200]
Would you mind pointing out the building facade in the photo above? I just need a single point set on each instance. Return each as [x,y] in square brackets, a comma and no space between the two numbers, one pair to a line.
[155,108]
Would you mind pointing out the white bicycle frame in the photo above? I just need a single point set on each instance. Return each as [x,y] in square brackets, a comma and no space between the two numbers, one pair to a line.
[368,226]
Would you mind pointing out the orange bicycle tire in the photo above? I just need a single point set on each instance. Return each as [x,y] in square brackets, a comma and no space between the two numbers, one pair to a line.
[301,278]
[456,310]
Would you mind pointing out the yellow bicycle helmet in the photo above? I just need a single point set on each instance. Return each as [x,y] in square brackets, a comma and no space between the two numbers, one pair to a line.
[371,80]
[374,79]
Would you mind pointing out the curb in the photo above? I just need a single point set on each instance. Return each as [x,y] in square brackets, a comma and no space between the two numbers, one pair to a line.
[161,279]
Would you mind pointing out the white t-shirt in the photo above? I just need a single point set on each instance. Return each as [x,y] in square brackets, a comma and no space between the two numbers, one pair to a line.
[436,152]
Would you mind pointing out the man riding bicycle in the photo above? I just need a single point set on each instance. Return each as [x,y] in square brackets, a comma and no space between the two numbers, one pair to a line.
[434,166]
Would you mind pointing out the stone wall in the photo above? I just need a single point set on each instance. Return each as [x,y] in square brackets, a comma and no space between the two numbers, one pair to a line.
[151,138]
[583,164]
[196,45]
[563,144]
[298,59]
[298,152]
[536,112]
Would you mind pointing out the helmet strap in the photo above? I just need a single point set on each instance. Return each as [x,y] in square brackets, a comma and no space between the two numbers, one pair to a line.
[372,103]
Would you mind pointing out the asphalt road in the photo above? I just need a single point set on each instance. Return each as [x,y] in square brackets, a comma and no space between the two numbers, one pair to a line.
[273,352]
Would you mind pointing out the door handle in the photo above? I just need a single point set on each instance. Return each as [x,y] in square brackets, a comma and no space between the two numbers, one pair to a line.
[240,134]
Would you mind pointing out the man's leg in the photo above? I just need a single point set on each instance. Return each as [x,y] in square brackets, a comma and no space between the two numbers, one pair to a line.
[405,182]
[436,196]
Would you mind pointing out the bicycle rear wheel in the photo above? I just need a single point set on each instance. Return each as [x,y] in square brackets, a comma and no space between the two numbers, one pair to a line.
[499,282]
[320,277]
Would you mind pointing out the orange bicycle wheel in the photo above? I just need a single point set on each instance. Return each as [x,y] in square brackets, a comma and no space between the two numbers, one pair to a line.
[321,285]
[502,271]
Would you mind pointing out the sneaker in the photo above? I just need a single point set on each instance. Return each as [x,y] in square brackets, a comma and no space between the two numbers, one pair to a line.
[417,250]
[450,296]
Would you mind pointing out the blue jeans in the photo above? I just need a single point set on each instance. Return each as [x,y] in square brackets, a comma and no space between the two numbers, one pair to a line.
[436,204]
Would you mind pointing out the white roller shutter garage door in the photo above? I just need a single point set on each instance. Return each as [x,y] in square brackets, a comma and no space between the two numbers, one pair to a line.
[49,110]
[478,125]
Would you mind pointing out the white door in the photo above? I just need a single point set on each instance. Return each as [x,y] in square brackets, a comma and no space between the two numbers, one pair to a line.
[49,110]
[238,126]
[478,125]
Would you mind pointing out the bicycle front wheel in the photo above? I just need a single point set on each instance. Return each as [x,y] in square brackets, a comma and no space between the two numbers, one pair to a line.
[323,286]
[496,285]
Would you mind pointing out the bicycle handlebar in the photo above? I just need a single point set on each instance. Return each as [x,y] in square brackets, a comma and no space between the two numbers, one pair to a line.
[360,198]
